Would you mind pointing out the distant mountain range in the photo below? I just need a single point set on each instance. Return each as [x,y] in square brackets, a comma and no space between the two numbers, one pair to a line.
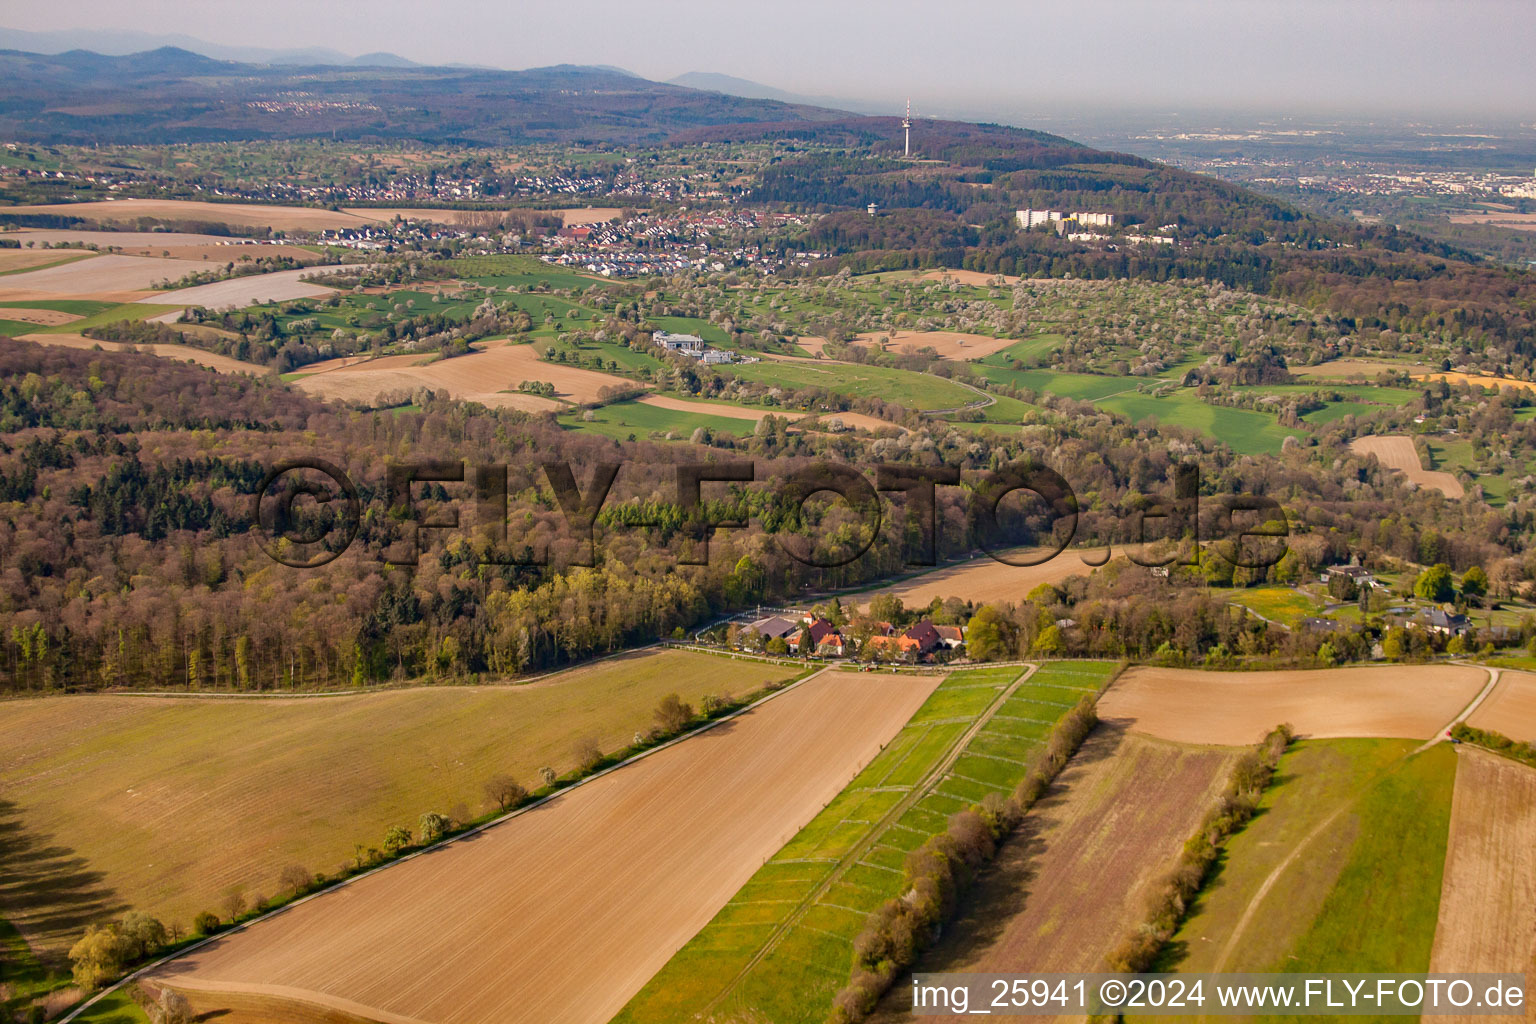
[175,95]
[119,43]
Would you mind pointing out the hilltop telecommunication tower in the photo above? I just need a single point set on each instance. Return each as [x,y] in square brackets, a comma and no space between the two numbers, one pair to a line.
[906,126]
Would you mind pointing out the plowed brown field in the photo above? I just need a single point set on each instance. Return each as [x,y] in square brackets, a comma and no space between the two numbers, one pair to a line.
[983,580]
[184,353]
[481,376]
[98,274]
[948,344]
[284,218]
[1064,889]
[1190,706]
[1510,708]
[1396,451]
[1488,895]
[564,912]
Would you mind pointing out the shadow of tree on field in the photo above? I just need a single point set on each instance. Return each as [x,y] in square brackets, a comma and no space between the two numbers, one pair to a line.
[47,890]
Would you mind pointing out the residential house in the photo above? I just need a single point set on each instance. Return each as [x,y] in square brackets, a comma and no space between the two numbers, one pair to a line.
[1357,574]
[1438,620]
[950,636]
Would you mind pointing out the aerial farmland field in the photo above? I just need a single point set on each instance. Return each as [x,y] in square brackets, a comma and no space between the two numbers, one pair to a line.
[619,872]
[169,803]
[1064,889]
[779,951]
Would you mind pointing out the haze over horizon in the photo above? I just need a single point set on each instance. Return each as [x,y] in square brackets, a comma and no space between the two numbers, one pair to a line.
[972,59]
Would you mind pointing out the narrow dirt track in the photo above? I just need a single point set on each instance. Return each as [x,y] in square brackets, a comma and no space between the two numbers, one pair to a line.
[563,913]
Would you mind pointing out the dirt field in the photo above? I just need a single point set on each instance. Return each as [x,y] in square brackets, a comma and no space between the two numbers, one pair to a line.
[1396,451]
[1488,895]
[974,277]
[185,353]
[110,273]
[1510,708]
[1518,221]
[170,244]
[1190,706]
[736,412]
[948,344]
[616,875]
[1066,888]
[163,804]
[278,218]
[1342,369]
[247,291]
[41,317]
[21,259]
[982,580]
[856,420]
[480,376]
[1481,380]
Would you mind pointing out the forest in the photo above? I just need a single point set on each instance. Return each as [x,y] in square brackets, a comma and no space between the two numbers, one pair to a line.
[129,558]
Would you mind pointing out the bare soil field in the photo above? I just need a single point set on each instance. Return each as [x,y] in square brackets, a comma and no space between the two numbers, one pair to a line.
[616,875]
[278,286]
[169,244]
[1396,451]
[110,273]
[1343,369]
[41,317]
[278,218]
[737,412]
[972,277]
[184,353]
[1510,708]
[983,580]
[1487,916]
[1067,886]
[856,420]
[22,259]
[1191,706]
[111,802]
[483,376]
[948,344]
[1479,379]
[1518,221]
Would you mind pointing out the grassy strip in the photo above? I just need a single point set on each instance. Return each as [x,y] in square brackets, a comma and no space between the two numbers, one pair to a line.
[1496,742]
[1139,950]
[935,873]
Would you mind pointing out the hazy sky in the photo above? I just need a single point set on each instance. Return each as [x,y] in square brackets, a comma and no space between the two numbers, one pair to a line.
[1472,56]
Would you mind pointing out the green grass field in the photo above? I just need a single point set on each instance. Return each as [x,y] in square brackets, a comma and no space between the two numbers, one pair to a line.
[622,420]
[1368,826]
[1381,914]
[781,949]
[169,802]
[1281,604]
[112,314]
[913,390]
